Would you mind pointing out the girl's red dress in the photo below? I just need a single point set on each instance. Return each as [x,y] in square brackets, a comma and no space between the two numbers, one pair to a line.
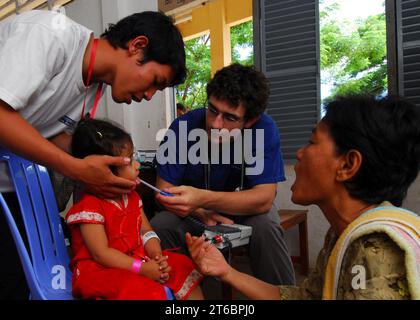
[122,222]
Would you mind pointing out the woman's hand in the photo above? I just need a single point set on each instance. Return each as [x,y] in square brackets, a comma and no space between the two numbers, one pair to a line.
[207,257]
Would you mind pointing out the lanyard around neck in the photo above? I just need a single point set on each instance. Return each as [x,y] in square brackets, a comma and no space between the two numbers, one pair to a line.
[207,173]
[89,75]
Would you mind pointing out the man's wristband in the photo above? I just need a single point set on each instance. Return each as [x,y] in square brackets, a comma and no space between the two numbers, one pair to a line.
[136,266]
[149,235]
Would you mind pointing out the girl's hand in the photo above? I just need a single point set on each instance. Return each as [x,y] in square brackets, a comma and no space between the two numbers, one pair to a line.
[151,269]
[163,265]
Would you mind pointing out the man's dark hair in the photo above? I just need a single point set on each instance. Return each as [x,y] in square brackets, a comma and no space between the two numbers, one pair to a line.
[165,46]
[98,137]
[237,84]
[387,133]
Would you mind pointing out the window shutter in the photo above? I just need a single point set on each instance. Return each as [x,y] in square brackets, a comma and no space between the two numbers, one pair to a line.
[408,49]
[286,39]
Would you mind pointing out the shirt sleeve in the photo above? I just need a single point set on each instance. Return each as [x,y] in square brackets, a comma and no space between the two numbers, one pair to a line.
[30,57]
[373,269]
[310,289]
[266,154]
[87,210]
[294,293]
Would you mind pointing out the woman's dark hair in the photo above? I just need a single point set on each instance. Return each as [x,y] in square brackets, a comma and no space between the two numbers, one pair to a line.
[98,137]
[387,133]
[165,46]
[241,84]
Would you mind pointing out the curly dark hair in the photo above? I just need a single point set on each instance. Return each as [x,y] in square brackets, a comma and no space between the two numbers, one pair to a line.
[166,45]
[387,133]
[99,137]
[241,84]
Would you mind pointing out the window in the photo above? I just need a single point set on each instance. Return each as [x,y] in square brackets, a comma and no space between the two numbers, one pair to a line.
[404,41]
[286,46]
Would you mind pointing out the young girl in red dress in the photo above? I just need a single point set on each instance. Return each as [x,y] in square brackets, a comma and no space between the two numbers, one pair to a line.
[116,254]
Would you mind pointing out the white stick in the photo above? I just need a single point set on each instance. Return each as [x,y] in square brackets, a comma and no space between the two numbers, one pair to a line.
[150,186]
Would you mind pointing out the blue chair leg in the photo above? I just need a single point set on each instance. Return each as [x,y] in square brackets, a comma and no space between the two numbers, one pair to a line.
[169,295]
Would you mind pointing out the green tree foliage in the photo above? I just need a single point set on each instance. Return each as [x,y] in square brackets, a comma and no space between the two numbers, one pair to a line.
[192,93]
[353,55]
[242,38]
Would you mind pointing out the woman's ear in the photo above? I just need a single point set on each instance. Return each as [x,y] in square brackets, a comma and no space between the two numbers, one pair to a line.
[137,45]
[349,166]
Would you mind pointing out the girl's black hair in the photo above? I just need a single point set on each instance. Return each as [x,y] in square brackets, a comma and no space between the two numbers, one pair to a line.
[98,137]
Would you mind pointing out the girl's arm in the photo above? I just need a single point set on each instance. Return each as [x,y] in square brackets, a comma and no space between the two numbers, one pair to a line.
[96,241]
[152,247]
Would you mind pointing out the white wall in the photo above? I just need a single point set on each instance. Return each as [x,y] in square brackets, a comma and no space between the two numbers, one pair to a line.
[142,120]
[412,202]
[87,13]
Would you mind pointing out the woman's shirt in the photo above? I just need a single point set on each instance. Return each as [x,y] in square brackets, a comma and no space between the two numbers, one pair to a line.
[374,257]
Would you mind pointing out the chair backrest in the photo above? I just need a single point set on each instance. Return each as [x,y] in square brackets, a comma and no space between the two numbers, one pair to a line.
[47,266]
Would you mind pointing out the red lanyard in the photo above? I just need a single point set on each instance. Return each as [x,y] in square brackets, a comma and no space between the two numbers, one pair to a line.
[99,91]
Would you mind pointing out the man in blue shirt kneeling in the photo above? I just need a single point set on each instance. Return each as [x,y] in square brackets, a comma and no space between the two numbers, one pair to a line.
[222,164]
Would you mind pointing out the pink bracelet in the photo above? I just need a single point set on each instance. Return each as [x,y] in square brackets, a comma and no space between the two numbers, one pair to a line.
[135,267]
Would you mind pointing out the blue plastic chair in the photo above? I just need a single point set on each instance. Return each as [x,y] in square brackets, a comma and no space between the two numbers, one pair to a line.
[46,268]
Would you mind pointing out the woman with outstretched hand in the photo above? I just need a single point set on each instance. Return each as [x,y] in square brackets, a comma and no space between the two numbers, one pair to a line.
[357,166]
